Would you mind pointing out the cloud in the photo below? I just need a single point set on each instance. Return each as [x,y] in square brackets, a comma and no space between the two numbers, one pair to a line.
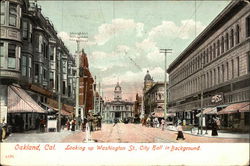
[168,28]
[107,31]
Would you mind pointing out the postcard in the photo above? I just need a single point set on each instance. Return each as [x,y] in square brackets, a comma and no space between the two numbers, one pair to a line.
[124,82]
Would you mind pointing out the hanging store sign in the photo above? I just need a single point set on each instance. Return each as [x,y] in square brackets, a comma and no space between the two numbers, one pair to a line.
[217,98]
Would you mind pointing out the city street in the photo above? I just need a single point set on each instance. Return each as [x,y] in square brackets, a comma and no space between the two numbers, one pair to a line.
[136,133]
[122,133]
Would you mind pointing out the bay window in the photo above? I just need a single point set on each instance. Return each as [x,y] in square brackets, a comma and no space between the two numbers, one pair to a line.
[12,14]
[24,65]
[2,12]
[2,58]
[12,56]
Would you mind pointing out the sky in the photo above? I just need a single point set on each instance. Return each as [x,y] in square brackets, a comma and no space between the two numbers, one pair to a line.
[124,37]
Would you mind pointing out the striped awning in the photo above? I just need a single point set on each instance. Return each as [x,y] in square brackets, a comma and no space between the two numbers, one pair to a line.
[20,102]
[245,109]
[210,110]
[234,108]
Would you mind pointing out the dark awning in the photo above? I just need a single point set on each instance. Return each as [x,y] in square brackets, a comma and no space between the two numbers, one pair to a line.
[20,102]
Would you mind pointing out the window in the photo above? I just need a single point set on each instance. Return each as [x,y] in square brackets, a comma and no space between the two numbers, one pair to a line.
[223,72]
[64,88]
[69,91]
[219,76]
[44,74]
[248,62]
[25,30]
[211,53]
[222,45]
[248,26]
[227,71]
[238,66]
[12,56]
[227,41]
[215,78]
[232,37]
[218,47]
[24,66]
[2,58]
[214,51]
[36,69]
[13,14]
[29,68]
[51,53]
[232,62]
[40,44]
[237,34]
[2,12]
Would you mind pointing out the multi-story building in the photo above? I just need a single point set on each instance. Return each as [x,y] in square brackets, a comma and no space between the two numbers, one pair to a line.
[215,67]
[137,106]
[154,100]
[33,62]
[118,108]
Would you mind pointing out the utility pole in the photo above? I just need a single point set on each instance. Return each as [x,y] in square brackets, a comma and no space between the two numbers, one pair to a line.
[94,94]
[78,38]
[99,97]
[59,91]
[165,51]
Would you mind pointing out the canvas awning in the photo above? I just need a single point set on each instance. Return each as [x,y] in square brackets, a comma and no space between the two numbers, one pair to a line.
[63,112]
[20,102]
[233,108]
[245,109]
[159,114]
[210,111]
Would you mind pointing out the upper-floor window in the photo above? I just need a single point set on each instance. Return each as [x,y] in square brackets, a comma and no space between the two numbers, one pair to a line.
[2,58]
[12,56]
[2,13]
[51,53]
[222,44]
[227,41]
[237,34]
[248,26]
[24,65]
[248,62]
[214,50]
[25,30]
[13,14]
[218,47]
[232,37]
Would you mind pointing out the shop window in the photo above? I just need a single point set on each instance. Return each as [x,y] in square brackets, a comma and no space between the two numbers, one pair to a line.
[248,26]
[232,37]
[2,12]
[25,30]
[246,118]
[24,66]
[12,56]
[237,34]
[2,58]
[13,14]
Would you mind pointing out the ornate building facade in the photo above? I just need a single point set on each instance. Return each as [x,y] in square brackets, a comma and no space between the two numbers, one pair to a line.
[118,108]
[33,62]
[215,65]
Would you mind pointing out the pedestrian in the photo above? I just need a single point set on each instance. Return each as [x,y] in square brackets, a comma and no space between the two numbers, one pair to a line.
[214,127]
[115,122]
[180,132]
[68,124]
[148,122]
[162,124]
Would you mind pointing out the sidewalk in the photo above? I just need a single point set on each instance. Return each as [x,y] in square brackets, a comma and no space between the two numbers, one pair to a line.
[221,134]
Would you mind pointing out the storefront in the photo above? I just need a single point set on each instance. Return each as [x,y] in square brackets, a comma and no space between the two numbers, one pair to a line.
[23,112]
[236,116]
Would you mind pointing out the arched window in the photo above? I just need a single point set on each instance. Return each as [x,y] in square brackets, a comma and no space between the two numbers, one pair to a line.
[237,34]
[232,37]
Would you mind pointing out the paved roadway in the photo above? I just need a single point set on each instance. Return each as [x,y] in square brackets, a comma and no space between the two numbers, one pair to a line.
[136,133]
[120,133]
